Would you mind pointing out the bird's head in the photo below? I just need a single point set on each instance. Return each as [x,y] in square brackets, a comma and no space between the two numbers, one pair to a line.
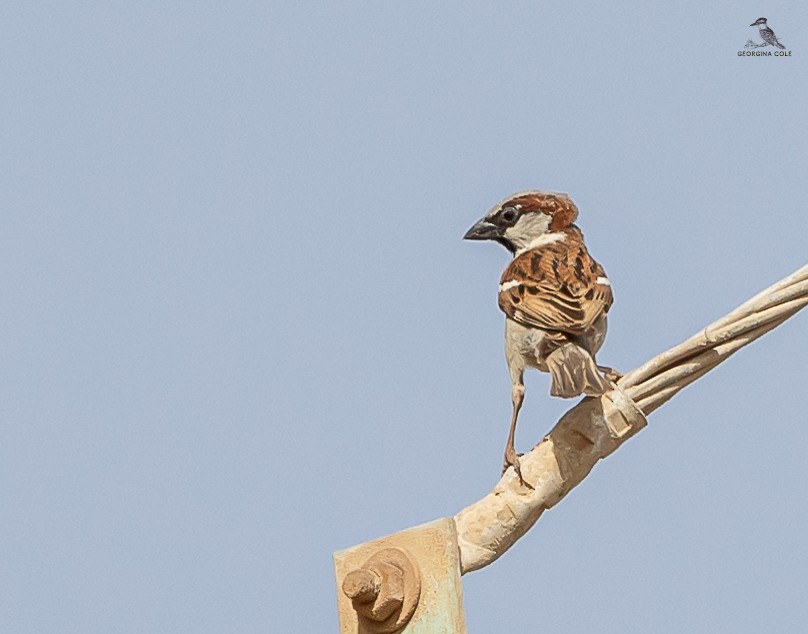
[758,22]
[525,219]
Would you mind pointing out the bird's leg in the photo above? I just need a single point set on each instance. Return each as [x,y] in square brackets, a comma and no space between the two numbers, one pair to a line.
[511,457]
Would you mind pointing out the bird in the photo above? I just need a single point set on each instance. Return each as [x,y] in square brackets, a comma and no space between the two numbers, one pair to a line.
[766,33]
[555,297]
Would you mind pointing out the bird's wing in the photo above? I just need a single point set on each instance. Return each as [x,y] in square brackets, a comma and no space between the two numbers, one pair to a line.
[558,286]
[771,38]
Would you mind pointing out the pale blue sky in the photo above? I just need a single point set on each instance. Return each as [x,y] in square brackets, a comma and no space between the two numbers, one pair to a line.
[240,330]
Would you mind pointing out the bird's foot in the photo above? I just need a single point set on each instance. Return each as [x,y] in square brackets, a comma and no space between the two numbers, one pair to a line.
[512,460]
[610,374]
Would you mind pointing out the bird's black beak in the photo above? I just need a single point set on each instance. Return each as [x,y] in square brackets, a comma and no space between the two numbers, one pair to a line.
[753,24]
[483,230]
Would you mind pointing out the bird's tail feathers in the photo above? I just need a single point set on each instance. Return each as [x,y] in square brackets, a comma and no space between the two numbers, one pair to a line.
[780,45]
[574,372]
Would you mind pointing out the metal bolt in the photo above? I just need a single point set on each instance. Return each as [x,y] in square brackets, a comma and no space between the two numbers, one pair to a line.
[384,591]
[361,585]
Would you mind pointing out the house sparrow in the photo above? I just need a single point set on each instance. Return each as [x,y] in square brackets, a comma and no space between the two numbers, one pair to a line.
[554,295]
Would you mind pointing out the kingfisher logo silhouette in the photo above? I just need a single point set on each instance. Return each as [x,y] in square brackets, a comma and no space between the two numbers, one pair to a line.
[770,41]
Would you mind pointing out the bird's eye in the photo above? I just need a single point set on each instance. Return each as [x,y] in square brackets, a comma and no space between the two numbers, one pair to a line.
[509,215]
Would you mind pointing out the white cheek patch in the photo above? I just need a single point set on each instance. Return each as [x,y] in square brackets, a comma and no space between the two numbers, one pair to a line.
[527,227]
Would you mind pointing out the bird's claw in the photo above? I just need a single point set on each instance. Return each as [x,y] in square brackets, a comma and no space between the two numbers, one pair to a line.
[512,460]
[610,374]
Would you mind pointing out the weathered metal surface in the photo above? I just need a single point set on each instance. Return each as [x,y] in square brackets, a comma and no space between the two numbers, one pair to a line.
[368,580]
